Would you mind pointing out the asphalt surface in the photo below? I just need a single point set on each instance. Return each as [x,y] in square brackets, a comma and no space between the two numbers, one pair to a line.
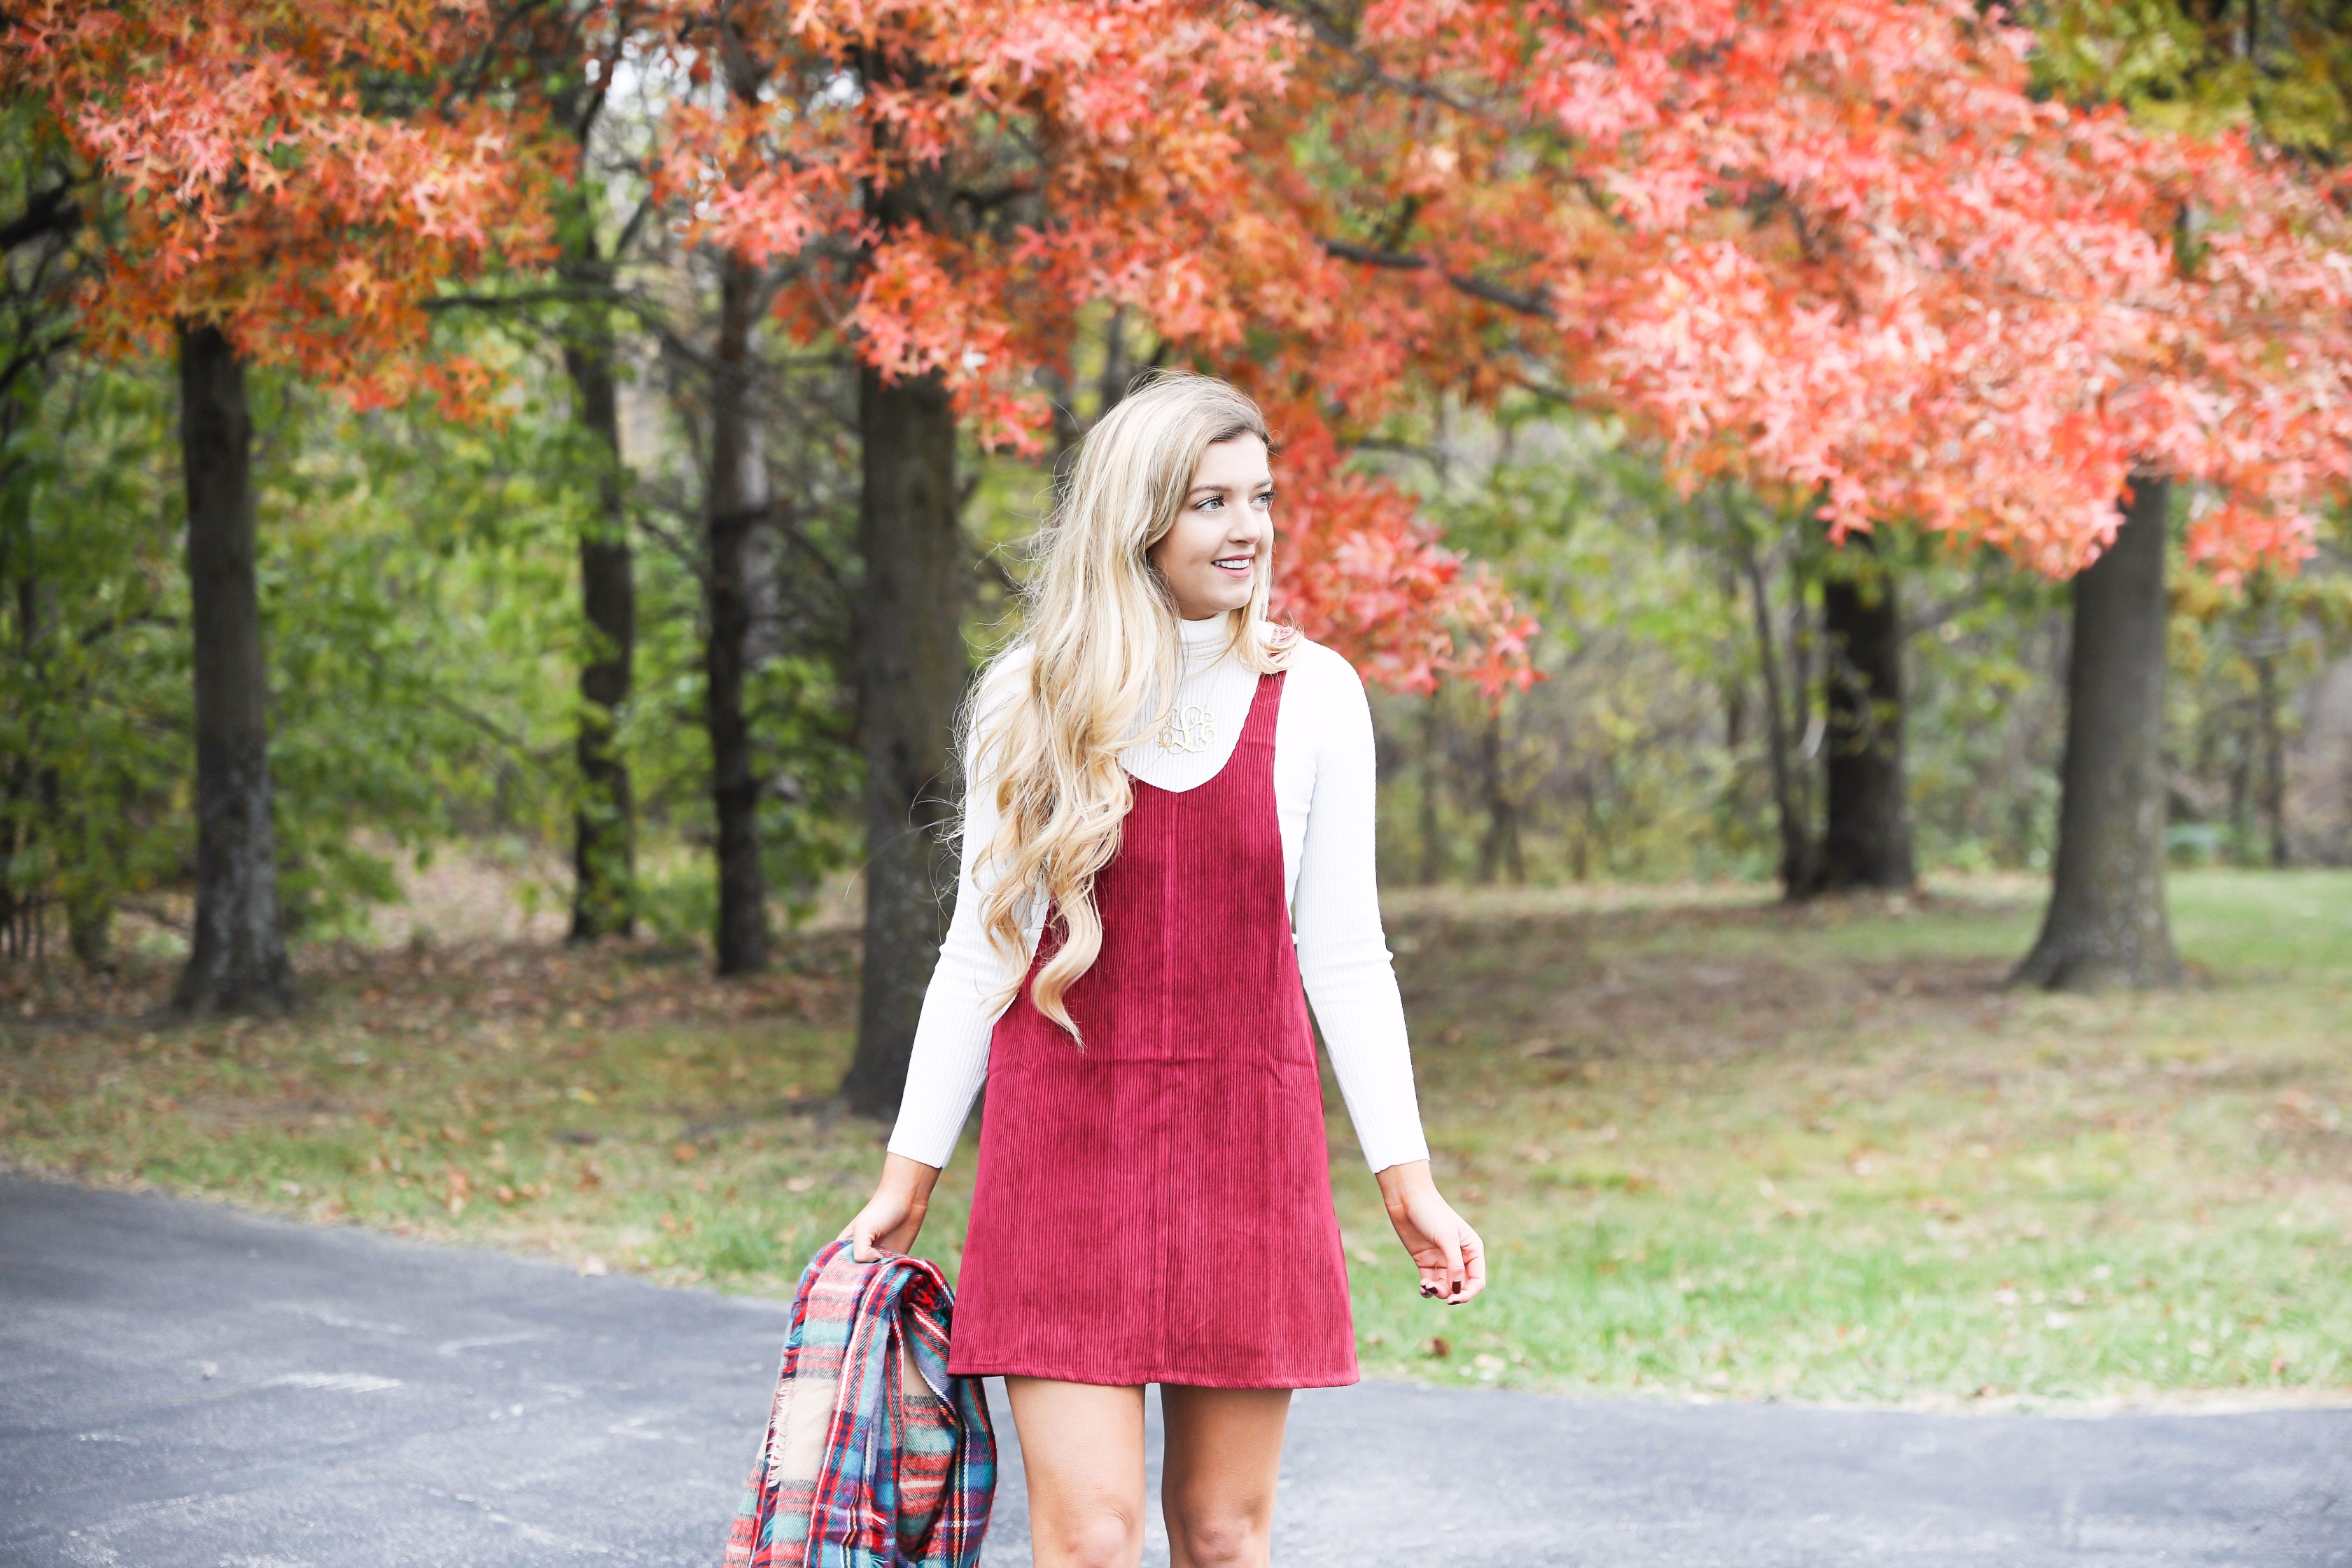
[182,1386]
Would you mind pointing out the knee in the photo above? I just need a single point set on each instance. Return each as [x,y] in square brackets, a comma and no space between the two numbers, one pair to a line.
[1100,1538]
[1220,1539]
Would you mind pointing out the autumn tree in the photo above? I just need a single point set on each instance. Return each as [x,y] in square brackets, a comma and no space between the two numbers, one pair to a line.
[573,52]
[743,57]
[293,185]
[1843,249]
[997,171]
[559,62]
[2193,70]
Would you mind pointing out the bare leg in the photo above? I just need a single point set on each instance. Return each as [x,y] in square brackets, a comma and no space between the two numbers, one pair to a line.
[1082,1445]
[1217,1490]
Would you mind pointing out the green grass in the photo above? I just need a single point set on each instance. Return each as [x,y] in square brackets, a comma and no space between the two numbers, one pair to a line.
[1715,1146]
[1821,1154]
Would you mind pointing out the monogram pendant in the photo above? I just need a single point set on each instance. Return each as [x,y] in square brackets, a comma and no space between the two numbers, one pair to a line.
[1188,729]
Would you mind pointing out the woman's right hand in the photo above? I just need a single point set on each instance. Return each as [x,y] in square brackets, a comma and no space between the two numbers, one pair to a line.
[893,1217]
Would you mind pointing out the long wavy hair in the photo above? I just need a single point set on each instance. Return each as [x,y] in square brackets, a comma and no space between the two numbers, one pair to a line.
[1098,642]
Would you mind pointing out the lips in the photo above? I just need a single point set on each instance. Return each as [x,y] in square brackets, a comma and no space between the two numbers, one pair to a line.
[1234,562]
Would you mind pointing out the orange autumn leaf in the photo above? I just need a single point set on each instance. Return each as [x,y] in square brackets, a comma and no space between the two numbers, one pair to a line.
[291,174]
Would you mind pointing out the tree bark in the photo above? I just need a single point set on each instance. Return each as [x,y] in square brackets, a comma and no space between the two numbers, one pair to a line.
[236,959]
[1797,848]
[1432,840]
[2274,743]
[1499,850]
[911,669]
[604,840]
[738,504]
[2107,925]
[1866,840]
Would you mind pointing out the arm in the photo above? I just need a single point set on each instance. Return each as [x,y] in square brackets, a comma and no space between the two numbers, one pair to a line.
[1343,958]
[949,1060]
[893,1217]
[1343,954]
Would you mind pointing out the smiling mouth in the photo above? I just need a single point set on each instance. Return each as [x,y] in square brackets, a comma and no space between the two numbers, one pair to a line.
[1234,562]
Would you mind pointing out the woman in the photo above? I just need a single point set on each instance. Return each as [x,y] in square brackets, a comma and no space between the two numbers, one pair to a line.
[1180,785]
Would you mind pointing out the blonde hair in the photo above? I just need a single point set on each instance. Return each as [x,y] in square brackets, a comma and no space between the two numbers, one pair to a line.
[1099,639]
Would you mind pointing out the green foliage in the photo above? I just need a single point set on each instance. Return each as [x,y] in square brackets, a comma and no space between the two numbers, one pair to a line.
[94,684]
[2240,655]
[799,697]
[2283,69]
[1617,763]
[418,582]
[420,624]
[1641,753]
[417,619]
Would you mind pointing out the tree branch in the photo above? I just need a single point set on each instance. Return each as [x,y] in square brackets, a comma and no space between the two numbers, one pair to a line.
[53,211]
[1470,283]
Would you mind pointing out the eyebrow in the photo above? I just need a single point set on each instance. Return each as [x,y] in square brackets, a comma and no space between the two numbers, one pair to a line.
[1220,490]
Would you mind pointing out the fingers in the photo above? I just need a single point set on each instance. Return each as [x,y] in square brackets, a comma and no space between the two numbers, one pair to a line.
[1474,1267]
[1445,1260]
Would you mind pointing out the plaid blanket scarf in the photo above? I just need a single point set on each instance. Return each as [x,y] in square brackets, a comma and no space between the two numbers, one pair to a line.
[875,1457]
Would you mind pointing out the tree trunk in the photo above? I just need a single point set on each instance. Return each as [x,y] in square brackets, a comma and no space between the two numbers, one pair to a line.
[911,670]
[1499,850]
[1866,842]
[2106,924]
[2273,742]
[738,505]
[236,959]
[603,841]
[1433,839]
[1797,850]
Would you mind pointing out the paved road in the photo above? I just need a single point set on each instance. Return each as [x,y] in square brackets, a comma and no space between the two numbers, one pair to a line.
[186,1386]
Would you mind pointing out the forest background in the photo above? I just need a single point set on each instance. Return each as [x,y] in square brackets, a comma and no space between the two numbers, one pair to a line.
[642,408]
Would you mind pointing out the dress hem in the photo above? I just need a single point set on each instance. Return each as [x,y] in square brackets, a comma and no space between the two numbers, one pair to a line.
[1157,1374]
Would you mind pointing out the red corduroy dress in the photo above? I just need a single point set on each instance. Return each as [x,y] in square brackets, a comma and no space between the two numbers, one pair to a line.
[1157,1206]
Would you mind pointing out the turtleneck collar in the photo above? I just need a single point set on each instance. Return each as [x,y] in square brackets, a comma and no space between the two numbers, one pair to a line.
[1204,639]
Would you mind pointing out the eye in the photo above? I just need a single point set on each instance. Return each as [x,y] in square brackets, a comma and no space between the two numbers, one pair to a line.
[1209,503]
[1263,500]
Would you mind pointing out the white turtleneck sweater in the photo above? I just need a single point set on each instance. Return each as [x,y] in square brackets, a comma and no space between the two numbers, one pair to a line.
[1323,787]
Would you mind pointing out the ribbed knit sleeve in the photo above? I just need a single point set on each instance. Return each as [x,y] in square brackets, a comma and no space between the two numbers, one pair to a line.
[1343,954]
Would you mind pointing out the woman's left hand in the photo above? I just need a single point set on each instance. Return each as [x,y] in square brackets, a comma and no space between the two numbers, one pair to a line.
[1450,1257]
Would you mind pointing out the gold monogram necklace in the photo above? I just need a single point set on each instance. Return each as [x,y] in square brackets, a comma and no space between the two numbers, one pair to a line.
[1192,729]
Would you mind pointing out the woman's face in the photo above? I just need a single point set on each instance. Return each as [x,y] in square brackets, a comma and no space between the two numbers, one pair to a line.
[1224,533]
